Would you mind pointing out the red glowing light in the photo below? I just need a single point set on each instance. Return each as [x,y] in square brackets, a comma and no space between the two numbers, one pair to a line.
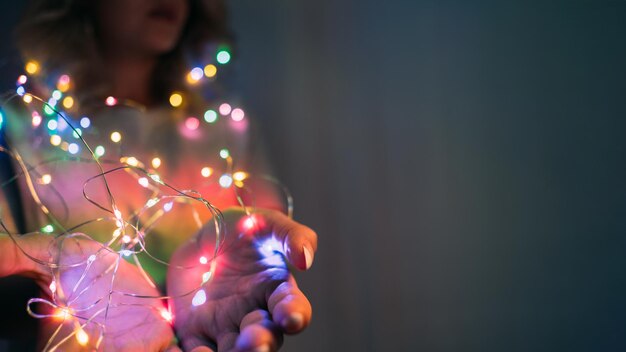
[192,123]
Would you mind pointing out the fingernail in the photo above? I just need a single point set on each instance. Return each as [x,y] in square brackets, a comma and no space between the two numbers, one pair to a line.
[308,257]
[293,322]
[262,348]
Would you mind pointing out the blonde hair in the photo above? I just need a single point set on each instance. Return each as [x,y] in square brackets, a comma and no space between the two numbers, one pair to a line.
[60,35]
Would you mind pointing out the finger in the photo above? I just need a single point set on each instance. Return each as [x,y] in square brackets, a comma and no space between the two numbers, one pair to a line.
[259,333]
[173,349]
[226,341]
[197,344]
[289,307]
[299,241]
[21,253]
[202,349]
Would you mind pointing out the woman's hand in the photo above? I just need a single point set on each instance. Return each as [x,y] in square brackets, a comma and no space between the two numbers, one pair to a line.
[82,289]
[251,298]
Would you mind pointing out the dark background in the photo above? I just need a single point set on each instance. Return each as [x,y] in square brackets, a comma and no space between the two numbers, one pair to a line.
[462,161]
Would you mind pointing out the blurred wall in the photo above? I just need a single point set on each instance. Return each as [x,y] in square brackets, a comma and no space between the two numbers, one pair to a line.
[462,161]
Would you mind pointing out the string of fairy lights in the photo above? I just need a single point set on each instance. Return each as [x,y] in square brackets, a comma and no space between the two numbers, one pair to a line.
[57,114]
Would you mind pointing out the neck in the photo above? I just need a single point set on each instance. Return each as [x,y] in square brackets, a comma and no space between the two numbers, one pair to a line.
[131,78]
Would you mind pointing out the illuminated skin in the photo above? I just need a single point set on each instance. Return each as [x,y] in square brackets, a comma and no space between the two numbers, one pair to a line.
[252,299]
[128,327]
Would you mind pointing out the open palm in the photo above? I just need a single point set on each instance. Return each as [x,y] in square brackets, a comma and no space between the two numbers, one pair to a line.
[251,298]
[81,287]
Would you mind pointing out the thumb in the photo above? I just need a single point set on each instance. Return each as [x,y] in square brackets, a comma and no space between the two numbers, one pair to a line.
[25,255]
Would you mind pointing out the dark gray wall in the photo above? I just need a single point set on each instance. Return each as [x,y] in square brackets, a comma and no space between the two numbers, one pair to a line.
[463,163]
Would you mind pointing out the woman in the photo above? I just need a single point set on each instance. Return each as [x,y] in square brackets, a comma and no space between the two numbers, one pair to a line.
[124,63]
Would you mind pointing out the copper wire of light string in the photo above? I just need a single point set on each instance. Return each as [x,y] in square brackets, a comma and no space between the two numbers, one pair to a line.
[136,245]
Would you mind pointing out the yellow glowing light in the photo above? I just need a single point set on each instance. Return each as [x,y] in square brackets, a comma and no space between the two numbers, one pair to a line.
[132,161]
[240,176]
[206,171]
[55,140]
[191,79]
[46,179]
[62,313]
[117,232]
[210,70]
[156,162]
[27,98]
[32,67]
[68,102]
[81,336]
[116,137]
[176,99]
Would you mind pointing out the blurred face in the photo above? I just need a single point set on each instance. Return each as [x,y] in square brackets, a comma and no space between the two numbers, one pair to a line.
[140,27]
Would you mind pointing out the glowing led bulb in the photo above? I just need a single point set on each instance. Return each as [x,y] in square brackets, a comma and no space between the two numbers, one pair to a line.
[52,125]
[55,140]
[206,171]
[237,115]
[46,179]
[192,123]
[77,133]
[223,57]
[240,176]
[32,67]
[85,122]
[81,336]
[249,223]
[53,286]
[99,151]
[64,83]
[210,116]
[176,99]
[110,101]
[165,314]
[28,98]
[73,148]
[20,91]
[225,109]
[116,137]
[196,74]
[22,79]
[68,102]
[225,181]
[206,276]
[62,313]
[143,182]
[47,229]
[156,162]
[36,119]
[203,260]
[224,153]
[151,202]
[57,95]
[132,161]
[210,70]
[168,206]
[199,298]
[126,239]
